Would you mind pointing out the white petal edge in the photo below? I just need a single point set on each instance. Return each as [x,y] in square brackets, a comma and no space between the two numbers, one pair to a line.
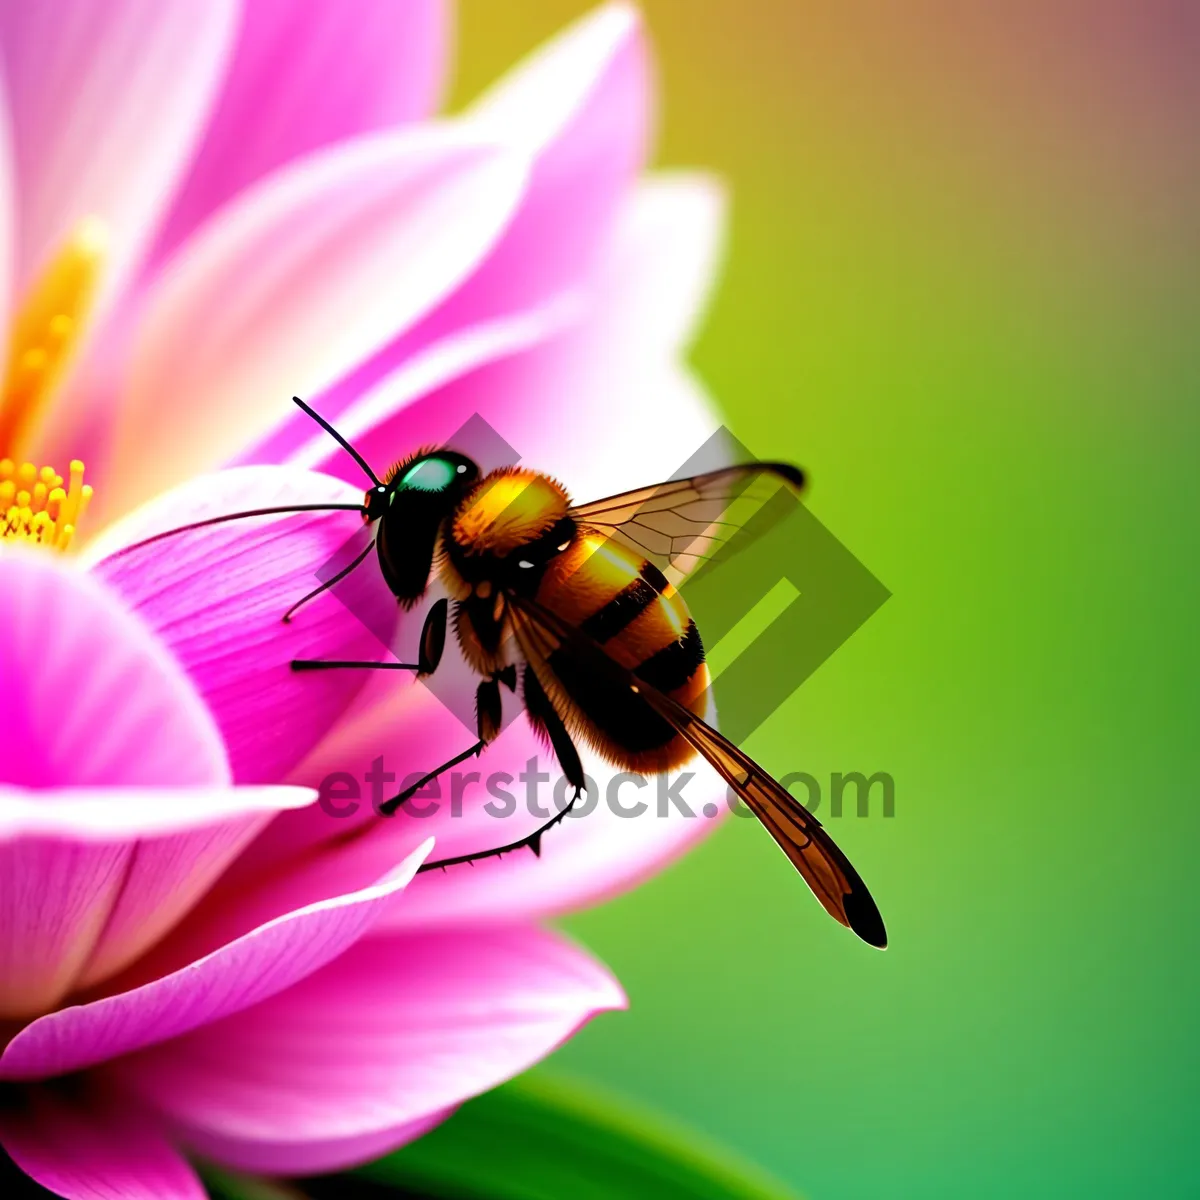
[120,814]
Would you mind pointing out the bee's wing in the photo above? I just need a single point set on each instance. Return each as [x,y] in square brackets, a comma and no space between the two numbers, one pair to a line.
[683,523]
[826,870]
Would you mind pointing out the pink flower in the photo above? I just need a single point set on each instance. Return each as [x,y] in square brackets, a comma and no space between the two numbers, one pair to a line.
[564,333]
[514,263]
[140,1011]
[265,984]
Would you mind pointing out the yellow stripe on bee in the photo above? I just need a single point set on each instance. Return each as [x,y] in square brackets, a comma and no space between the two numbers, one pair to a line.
[661,623]
[507,509]
[585,577]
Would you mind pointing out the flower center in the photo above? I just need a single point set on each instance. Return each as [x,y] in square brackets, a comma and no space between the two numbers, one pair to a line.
[37,508]
[46,333]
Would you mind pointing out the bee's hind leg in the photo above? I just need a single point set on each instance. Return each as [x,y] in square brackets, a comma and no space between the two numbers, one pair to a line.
[545,720]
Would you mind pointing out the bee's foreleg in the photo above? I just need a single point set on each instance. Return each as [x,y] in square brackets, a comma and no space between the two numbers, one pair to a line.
[429,654]
[433,638]
[329,583]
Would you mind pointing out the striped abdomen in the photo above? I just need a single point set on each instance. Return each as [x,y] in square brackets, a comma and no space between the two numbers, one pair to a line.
[626,605]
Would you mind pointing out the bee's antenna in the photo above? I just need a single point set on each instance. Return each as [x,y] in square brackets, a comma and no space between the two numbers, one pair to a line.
[237,516]
[341,441]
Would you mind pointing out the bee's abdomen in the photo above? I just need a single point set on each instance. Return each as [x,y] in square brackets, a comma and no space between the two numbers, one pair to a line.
[628,606]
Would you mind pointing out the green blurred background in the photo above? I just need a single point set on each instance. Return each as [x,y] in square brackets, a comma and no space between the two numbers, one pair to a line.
[963,290]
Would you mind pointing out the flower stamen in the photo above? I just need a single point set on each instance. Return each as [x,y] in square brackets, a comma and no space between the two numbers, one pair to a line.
[44,339]
[46,334]
[36,508]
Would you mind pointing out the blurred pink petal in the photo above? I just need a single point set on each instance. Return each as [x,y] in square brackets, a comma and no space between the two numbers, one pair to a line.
[8,200]
[217,598]
[660,269]
[91,698]
[371,416]
[316,1155]
[295,282]
[581,105]
[618,368]
[411,733]
[95,1147]
[300,81]
[258,965]
[579,108]
[611,357]
[395,1030]
[107,102]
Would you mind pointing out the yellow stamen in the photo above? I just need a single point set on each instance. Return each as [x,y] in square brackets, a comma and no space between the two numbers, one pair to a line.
[46,334]
[35,507]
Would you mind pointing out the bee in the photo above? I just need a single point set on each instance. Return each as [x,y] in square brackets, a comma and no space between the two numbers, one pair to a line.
[570,606]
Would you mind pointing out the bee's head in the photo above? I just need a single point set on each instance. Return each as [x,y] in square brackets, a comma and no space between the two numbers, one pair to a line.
[416,497]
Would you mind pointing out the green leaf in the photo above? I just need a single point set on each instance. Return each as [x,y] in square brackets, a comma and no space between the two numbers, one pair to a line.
[222,1185]
[542,1139]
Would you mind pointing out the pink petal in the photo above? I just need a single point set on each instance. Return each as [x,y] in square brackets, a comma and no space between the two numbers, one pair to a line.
[312,1157]
[90,877]
[296,85]
[94,1147]
[604,394]
[54,897]
[8,198]
[256,966]
[664,257]
[93,816]
[395,1031]
[611,359]
[579,108]
[584,859]
[107,101]
[90,697]
[433,367]
[293,283]
[217,597]
[166,877]
[407,733]
[618,364]
[308,854]
[581,104]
